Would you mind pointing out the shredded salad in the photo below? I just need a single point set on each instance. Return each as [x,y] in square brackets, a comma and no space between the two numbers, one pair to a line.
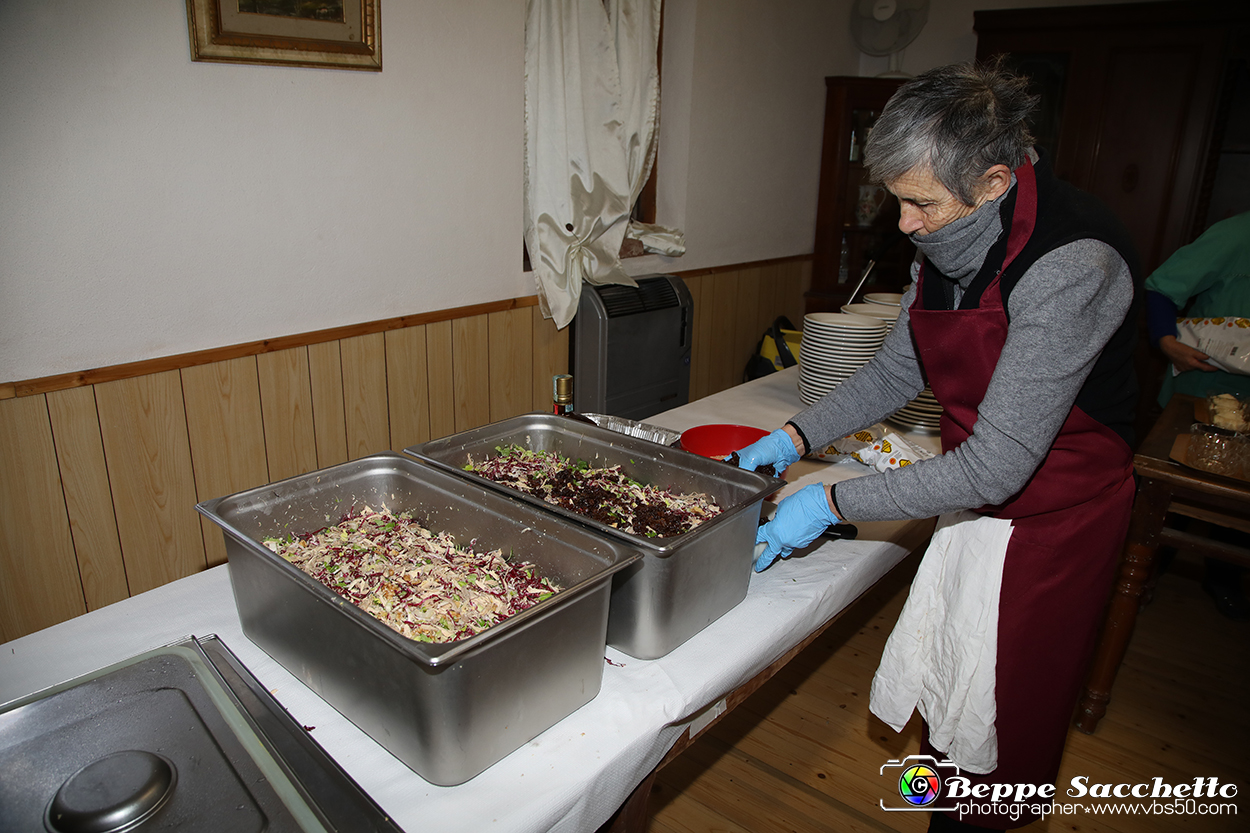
[604,494]
[417,582]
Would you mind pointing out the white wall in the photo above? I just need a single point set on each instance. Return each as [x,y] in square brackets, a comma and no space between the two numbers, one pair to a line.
[151,205]
[742,111]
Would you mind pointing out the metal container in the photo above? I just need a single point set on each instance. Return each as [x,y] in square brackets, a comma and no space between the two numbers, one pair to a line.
[684,582]
[181,737]
[448,710]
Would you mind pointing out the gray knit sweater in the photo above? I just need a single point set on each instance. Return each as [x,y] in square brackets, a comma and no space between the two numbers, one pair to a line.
[1062,312]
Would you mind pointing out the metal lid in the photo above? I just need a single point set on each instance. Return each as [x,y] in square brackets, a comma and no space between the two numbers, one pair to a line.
[115,793]
[562,389]
[181,737]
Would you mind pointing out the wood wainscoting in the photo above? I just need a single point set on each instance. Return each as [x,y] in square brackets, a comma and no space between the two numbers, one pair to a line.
[100,470]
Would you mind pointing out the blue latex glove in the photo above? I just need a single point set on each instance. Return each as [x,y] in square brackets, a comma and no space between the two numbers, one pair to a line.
[799,520]
[777,448]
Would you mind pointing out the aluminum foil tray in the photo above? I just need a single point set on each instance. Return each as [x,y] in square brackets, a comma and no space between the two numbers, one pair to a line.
[641,430]
[448,711]
[684,582]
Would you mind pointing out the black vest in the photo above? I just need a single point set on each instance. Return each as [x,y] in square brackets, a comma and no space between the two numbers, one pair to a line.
[1065,214]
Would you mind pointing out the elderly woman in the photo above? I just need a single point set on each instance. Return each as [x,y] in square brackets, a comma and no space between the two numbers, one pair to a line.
[1022,320]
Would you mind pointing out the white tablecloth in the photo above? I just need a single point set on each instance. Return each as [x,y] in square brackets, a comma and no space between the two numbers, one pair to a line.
[573,776]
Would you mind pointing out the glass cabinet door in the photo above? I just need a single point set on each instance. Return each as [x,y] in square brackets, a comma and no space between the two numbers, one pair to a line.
[870,215]
[857,220]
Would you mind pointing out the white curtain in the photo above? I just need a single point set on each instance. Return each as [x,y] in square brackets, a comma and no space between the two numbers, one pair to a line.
[591,116]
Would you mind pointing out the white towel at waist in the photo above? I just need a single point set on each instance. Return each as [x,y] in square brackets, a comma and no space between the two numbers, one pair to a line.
[940,657]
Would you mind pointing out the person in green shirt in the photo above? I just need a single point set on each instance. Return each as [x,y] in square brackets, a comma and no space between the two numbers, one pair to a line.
[1208,278]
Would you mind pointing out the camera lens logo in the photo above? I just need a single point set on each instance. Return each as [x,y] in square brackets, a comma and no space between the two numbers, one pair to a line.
[918,781]
[919,785]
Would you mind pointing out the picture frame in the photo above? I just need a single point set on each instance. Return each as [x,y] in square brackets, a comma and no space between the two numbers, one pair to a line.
[333,34]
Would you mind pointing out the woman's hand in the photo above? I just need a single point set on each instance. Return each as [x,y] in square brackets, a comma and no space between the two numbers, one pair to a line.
[1184,357]
[779,449]
[799,520]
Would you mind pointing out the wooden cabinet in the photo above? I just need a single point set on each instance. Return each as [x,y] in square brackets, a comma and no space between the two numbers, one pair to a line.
[855,220]
[1134,101]
[1130,97]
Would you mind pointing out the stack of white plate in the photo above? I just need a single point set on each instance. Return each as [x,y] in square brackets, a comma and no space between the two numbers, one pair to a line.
[889,299]
[888,314]
[923,414]
[834,346]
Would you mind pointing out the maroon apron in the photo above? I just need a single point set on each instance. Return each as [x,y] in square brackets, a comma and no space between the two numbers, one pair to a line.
[1068,526]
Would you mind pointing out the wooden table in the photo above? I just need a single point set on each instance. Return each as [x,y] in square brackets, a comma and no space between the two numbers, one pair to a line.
[766,402]
[633,814]
[574,776]
[1164,487]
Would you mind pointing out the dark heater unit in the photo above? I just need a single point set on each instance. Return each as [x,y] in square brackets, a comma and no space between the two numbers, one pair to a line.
[631,348]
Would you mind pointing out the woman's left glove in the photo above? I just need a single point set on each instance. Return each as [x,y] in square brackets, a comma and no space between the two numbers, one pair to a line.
[799,520]
[776,449]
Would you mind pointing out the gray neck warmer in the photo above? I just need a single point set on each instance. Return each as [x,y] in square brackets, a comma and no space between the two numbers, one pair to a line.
[959,248]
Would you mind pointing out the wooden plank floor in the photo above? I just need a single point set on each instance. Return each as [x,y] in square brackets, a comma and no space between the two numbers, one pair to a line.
[804,754]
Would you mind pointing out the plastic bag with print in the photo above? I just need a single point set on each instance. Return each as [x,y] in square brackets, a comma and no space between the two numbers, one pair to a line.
[880,449]
[1225,340]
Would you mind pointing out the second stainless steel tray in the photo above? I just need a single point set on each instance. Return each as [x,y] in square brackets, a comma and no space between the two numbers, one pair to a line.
[684,582]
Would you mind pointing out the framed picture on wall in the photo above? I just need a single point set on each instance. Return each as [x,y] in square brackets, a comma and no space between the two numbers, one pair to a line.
[335,34]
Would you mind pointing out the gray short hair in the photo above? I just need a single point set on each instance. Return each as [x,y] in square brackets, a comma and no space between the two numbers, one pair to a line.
[955,121]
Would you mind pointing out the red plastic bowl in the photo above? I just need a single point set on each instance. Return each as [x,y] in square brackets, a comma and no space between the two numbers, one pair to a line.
[719,441]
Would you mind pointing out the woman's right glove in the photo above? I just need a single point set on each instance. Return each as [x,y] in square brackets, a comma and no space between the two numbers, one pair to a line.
[799,520]
[777,448]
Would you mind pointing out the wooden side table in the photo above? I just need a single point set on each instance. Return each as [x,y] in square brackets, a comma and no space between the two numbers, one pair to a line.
[1164,487]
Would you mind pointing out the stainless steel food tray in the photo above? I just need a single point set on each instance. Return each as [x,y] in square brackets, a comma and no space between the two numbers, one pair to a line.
[447,711]
[684,582]
[218,751]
